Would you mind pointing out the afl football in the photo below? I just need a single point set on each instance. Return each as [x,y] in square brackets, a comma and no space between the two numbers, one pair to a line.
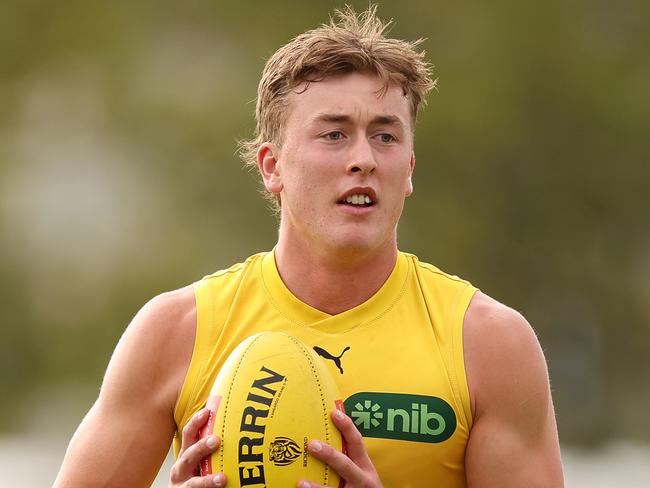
[272,395]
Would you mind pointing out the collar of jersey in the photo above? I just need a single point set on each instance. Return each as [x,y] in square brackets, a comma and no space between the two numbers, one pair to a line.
[303,314]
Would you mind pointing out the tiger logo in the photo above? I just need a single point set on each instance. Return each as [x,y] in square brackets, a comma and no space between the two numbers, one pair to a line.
[283,451]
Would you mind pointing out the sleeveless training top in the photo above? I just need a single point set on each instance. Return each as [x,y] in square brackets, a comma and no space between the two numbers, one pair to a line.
[397,359]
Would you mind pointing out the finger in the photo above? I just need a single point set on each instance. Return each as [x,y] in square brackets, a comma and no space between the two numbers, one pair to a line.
[356,448]
[186,465]
[206,481]
[309,484]
[338,461]
[191,429]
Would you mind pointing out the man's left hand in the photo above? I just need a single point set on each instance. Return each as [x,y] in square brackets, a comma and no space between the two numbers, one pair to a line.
[356,468]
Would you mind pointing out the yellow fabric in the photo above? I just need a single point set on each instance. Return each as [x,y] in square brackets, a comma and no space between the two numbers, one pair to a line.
[406,339]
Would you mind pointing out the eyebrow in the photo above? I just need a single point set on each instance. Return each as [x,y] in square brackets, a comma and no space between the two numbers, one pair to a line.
[343,118]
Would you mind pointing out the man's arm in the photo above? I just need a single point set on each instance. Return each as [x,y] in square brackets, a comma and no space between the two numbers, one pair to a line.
[125,436]
[514,439]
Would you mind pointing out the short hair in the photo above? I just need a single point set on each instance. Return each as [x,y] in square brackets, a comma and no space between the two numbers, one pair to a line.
[350,43]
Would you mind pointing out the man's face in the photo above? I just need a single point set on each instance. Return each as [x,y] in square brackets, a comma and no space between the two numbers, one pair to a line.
[344,167]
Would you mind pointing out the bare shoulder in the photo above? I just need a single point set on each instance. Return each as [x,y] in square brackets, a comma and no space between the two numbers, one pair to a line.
[124,437]
[513,441]
[170,307]
[158,345]
[172,312]
[503,356]
[485,315]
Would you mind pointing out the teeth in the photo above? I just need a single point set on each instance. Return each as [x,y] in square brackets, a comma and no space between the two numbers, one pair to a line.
[359,199]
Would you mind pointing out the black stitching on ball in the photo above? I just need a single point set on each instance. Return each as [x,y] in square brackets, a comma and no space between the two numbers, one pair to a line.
[227,399]
[320,390]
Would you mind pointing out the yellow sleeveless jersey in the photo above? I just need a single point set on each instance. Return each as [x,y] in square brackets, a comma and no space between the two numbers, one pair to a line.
[397,359]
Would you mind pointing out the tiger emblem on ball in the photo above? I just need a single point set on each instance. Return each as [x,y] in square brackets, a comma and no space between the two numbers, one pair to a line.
[283,451]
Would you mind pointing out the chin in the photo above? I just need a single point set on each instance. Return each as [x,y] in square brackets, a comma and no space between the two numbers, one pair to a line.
[356,245]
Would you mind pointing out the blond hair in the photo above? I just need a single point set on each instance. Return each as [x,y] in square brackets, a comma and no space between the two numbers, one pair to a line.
[350,43]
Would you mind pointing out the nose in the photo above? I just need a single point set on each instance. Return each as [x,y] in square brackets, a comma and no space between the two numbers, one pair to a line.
[362,159]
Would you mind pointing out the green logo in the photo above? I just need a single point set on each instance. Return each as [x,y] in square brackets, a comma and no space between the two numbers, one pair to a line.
[416,418]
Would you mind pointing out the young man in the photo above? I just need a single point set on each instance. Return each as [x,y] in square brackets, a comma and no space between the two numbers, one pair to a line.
[459,379]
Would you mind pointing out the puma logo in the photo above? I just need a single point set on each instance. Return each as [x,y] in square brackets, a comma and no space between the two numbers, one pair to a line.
[337,359]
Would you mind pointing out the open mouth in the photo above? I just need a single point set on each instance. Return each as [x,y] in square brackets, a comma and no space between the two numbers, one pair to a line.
[357,200]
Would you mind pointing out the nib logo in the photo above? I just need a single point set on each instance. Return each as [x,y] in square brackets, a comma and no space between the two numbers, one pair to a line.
[367,415]
[416,418]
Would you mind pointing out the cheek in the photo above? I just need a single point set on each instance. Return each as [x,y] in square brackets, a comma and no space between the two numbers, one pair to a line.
[304,191]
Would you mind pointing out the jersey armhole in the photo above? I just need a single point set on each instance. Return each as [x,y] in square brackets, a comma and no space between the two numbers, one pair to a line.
[458,357]
[204,312]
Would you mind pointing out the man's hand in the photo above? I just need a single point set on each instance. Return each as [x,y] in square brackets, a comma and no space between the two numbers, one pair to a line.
[184,472]
[356,468]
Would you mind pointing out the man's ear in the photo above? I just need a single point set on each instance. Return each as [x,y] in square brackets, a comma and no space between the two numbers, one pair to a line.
[409,182]
[267,161]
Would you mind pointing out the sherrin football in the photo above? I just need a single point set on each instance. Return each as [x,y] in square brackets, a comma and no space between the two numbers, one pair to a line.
[272,395]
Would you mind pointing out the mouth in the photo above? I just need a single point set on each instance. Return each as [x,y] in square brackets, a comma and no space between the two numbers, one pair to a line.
[358,198]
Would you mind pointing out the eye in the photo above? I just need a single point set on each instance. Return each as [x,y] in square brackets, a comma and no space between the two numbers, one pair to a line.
[335,135]
[387,138]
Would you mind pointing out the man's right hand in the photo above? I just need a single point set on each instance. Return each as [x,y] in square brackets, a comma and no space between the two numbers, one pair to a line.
[184,472]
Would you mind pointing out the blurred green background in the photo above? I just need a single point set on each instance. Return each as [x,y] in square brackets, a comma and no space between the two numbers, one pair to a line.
[119,180]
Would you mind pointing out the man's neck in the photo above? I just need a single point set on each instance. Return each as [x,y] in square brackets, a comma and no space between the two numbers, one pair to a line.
[333,282]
